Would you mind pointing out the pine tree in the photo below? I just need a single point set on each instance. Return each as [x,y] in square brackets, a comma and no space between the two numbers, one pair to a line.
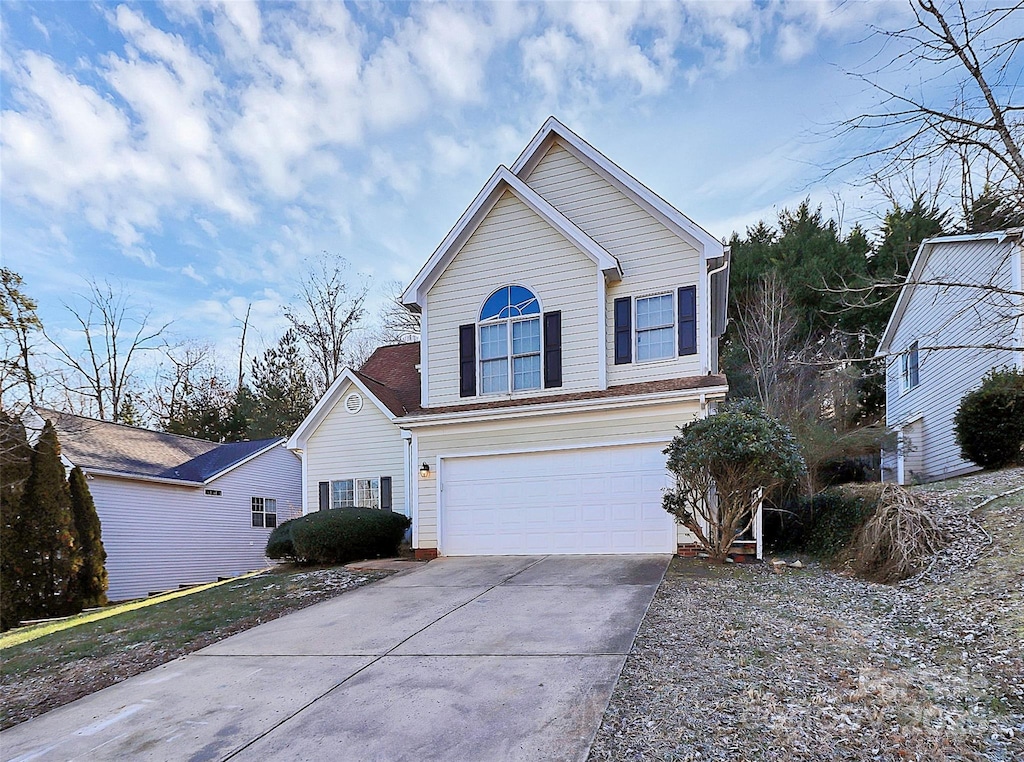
[15,467]
[47,550]
[90,588]
[282,391]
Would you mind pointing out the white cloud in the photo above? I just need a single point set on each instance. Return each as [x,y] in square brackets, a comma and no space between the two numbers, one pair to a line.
[190,272]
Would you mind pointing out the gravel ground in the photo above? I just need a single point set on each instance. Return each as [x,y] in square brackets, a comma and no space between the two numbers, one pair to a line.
[742,663]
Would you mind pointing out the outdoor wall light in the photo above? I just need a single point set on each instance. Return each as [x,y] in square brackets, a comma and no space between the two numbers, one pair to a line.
[425,470]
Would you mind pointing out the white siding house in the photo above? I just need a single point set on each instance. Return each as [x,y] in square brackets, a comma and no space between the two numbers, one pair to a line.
[176,510]
[960,315]
[570,323]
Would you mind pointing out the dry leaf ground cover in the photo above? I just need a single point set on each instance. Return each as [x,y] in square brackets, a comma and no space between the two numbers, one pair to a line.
[740,663]
[53,670]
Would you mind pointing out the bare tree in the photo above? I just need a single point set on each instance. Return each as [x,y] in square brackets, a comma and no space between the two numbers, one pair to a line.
[19,325]
[241,347]
[114,331]
[398,324]
[767,331]
[327,312]
[979,127]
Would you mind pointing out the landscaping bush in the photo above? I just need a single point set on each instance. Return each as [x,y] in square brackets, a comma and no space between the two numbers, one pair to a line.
[279,544]
[989,423]
[821,525]
[339,536]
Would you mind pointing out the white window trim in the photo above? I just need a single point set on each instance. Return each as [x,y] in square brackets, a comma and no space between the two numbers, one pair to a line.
[675,329]
[355,491]
[905,380]
[263,512]
[510,356]
[510,391]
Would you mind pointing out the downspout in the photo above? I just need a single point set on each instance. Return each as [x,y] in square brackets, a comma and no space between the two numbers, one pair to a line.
[727,260]
[410,474]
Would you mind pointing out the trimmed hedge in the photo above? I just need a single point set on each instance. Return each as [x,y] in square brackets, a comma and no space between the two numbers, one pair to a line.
[338,536]
[989,423]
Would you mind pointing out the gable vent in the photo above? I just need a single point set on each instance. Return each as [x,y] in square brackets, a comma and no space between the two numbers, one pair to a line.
[353,403]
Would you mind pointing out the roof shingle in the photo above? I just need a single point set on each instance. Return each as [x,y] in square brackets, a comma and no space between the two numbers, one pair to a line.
[129,450]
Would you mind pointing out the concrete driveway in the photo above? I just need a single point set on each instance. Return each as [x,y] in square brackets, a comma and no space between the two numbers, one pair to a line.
[488,658]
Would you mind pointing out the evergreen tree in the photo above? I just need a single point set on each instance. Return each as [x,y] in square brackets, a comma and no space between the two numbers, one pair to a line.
[994,210]
[209,410]
[90,588]
[46,551]
[282,391]
[15,467]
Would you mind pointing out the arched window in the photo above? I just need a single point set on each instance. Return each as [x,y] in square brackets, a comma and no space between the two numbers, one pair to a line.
[510,320]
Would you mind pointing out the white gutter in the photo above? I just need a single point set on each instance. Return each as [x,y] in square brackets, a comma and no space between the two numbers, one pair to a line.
[142,478]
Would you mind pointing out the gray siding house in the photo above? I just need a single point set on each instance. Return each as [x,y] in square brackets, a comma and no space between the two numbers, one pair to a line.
[960,315]
[176,510]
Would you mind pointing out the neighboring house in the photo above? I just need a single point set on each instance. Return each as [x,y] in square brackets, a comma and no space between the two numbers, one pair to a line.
[570,323]
[176,510]
[960,315]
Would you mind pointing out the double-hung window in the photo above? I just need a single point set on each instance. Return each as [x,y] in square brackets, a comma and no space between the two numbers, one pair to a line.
[510,341]
[910,373]
[264,512]
[655,328]
[343,493]
[355,493]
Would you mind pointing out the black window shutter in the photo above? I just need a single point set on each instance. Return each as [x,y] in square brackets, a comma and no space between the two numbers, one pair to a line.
[325,495]
[688,320]
[623,331]
[552,349]
[915,376]
[467,360]
[385,493]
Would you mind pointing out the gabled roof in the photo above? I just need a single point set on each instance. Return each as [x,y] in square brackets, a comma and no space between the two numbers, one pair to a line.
[917,269]
[501,181]
[394,388]
[394,367]
[131,451]
[639,193]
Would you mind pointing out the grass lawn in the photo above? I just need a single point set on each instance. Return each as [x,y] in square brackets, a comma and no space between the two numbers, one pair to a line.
[59,667]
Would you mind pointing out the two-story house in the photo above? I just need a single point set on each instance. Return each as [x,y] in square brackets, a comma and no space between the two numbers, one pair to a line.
[569,325]
[960,314]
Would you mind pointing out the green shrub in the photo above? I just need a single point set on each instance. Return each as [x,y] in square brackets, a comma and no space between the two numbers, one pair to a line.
[824,524]
[338,536]
[989,423]
[279,544]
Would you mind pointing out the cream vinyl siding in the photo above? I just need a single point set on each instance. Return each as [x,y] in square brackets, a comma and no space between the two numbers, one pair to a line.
[654,260]
[351,446]
[937,316]
[160,536]
[513,246]
[545,431]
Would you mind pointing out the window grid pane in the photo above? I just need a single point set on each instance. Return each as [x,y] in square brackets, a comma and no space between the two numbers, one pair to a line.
[342,494]
[655,344]
[526,372]
[654,312]
[368,493]
[494,376]
[525,337]
[493,342]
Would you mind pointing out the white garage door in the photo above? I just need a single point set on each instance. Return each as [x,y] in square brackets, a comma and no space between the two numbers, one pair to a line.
[600,500]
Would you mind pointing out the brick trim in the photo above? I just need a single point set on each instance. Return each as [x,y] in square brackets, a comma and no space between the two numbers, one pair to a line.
[425,554]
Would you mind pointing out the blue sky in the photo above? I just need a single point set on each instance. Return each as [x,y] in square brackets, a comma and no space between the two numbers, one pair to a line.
[201,152]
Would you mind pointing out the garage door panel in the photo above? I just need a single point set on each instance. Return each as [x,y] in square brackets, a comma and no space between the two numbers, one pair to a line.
[595,500]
